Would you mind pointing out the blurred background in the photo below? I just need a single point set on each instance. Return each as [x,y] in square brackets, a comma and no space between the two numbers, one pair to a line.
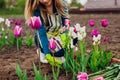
[15,7]
[12,7]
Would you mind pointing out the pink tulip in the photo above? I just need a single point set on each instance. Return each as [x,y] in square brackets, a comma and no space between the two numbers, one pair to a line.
[11,21]
[17,31]
[99,78]
[95,32]
[35,22]
[67,23]
[52,44]
[82,76]
[104,22]
[105,39]
[92,23]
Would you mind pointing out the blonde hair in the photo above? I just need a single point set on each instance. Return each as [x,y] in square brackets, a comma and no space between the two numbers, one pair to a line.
[31,5]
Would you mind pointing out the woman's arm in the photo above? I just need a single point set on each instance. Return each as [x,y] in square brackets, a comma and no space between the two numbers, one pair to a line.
[43,40]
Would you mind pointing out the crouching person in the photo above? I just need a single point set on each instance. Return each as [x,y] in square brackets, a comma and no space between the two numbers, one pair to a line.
[52,14]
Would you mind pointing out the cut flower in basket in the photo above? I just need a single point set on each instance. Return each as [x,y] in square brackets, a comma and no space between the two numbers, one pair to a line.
[82,76]
[99,78]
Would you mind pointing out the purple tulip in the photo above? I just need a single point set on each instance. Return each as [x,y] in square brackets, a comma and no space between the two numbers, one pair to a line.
[105,39]
[75,30]
[52,44]
[99,78]
[11,21]
[17,31]
[82,76]
[95,32]
[18,22]
[35,22]
[104,22]
[92,23]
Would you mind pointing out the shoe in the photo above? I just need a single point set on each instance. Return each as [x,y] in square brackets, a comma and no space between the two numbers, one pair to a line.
[53,61]
[42,57]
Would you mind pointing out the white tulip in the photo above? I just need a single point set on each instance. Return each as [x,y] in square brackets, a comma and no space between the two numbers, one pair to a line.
[82,33]
[7,22]
[2,20]
[77,26]
[72,33]
[96,39]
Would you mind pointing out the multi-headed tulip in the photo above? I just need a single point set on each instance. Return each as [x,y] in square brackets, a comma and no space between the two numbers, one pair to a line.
[82,76]
[17,31]
[81,31]
[92,23]
[52,44]
[104,22]
[35,22]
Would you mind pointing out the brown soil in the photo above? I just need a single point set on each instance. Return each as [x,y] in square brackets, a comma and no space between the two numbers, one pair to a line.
[26,56]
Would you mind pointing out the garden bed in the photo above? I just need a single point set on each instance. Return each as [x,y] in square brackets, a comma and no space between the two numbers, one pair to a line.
[26,56]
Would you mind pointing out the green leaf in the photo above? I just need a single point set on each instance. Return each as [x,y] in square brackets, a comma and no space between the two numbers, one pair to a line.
[19,71]
[29,41]
[35,68]
[25,75]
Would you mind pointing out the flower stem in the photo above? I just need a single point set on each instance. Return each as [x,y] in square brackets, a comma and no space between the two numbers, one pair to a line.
[38,42]
[17,45]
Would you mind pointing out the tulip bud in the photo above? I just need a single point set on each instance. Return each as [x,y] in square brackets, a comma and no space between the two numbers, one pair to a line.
[92,23]
[104,22]
[105,39]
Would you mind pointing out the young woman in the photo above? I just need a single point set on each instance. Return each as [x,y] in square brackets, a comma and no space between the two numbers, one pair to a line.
[52,13]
